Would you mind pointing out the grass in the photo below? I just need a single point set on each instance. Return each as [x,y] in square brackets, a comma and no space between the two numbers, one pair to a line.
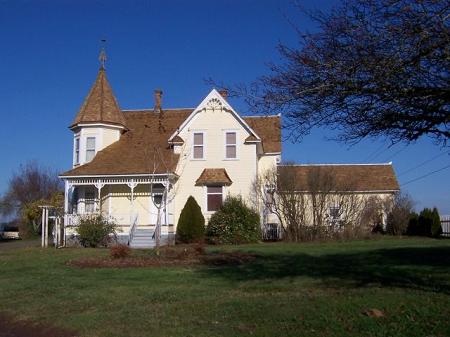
[314,289]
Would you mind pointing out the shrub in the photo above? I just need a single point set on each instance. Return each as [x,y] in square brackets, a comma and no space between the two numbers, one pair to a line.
[234,223]
[436,227]
[191,224]
[413,224]
[378,228]
[120,251]
[429,223]
[398,217]
[95,230]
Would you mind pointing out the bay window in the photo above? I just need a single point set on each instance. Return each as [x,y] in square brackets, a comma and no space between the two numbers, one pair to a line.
[90,148]
[77,151]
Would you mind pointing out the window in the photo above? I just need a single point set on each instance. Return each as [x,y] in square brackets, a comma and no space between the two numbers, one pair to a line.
[199,146]
[230,145]
[335,213]
[89,201]
[77,150]
[90,148]
[214,198]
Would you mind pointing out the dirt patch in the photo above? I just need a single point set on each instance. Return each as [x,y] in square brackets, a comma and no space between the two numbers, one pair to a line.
[10,327]
[167,257]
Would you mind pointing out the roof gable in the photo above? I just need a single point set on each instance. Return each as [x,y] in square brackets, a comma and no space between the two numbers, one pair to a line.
[100,105]
[214,100]
[269,129]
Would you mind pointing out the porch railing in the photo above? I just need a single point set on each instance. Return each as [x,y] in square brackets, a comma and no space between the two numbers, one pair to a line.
[121,219]
[134,221]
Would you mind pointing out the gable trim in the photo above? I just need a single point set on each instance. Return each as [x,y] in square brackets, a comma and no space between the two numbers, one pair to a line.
[214,94]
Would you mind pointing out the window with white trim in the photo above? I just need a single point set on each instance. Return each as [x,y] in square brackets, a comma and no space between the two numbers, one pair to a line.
[89,200]
[90,148]
[214,198]
[198,150]
[334,212]
[230,145]
[77,150]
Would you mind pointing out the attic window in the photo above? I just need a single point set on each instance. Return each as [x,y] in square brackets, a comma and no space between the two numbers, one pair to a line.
[198,146]
[90,148]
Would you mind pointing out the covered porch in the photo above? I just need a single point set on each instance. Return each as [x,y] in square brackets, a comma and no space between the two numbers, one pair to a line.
[136,203]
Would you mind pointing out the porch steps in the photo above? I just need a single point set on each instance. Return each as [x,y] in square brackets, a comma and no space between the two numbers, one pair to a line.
[142,239]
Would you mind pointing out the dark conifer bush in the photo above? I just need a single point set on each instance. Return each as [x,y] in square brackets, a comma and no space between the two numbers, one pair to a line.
[191,224]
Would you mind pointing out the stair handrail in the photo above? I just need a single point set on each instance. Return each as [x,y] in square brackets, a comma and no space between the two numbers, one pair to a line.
[132,227]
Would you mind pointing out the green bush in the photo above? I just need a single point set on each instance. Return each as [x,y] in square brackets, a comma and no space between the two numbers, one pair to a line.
[413,224]
[95,230]
[436,227]
[191,224]
[429,223]
[234,223]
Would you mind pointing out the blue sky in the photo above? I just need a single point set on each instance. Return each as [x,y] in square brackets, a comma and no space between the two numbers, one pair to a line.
[49,59]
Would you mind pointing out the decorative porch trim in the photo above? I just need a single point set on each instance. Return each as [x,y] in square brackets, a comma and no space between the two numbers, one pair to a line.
[100,182]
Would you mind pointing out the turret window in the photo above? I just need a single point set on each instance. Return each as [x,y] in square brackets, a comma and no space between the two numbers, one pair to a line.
[77,151]
[90,148]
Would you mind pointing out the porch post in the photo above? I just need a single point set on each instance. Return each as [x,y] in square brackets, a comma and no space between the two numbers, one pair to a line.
[66,196]
[132,185]
[46,226]
[99,185]
[43,228]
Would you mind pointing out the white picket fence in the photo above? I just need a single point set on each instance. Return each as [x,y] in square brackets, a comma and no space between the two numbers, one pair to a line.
[445,224]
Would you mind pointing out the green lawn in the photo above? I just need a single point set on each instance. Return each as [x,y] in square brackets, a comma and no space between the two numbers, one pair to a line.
[320,289]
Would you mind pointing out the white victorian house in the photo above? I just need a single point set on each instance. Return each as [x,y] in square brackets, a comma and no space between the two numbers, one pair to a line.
[136,165]
[139,167]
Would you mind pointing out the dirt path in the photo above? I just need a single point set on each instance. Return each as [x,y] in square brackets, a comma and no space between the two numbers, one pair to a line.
[13,328]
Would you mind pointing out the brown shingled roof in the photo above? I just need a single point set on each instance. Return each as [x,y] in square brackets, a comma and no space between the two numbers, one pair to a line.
[100,105]
[213,176]
[177,140]
[268,128]
[137,148]
[372,177]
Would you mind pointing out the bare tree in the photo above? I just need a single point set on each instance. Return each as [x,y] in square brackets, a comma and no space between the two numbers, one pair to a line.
[374,68]
[30,185]
[324,207]
[398,218]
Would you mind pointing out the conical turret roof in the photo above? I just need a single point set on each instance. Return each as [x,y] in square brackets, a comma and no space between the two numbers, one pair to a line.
[100,105]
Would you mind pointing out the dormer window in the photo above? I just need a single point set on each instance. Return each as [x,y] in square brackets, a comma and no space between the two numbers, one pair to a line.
[198,150]
[230,145]
[90,148]
[77,151]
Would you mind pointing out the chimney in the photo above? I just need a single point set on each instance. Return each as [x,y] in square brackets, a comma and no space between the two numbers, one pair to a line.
[224,93]
[158,97]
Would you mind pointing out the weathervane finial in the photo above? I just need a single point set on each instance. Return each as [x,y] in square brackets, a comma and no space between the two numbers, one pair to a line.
[102,57]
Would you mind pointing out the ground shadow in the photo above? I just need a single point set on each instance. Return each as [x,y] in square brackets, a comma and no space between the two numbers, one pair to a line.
[424,268]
